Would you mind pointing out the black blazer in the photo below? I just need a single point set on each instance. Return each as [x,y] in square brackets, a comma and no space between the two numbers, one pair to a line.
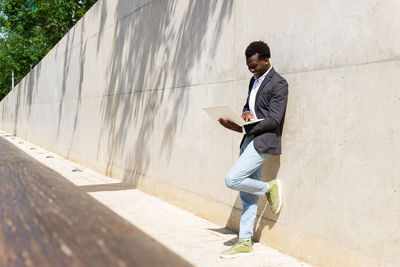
[270,104]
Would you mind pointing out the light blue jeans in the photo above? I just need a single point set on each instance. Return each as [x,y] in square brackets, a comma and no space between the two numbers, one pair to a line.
[245,176]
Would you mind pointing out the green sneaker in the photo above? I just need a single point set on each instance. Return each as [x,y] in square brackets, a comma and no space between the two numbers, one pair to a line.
[274,195]
[242,248]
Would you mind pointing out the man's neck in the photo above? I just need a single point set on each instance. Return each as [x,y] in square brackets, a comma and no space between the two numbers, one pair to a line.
[264,74]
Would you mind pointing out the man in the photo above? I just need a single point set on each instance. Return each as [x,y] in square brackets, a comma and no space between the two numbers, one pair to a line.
[267,99]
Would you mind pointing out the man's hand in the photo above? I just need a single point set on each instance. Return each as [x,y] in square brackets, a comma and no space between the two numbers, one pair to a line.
[247,116]
[230,125]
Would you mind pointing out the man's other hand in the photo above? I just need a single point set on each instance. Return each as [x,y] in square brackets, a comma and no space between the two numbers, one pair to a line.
[230,125]
[247,116]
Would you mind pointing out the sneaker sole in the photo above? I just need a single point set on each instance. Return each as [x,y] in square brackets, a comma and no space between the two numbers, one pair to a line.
[239,255]
[280,195]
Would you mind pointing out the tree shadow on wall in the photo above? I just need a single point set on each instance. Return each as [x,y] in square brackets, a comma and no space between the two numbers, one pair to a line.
[31,86]
[25,95]
[150,67]
[265,218]
[78,71]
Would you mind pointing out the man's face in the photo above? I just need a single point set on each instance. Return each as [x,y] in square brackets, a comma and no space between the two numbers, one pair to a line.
[257,66]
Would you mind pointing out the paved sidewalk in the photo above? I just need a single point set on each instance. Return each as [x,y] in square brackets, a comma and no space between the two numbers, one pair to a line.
[193,238]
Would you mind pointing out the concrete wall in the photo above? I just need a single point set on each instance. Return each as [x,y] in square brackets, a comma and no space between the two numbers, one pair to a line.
[123,93]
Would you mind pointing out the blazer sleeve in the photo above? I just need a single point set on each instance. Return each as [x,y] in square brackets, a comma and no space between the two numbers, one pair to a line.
[273,114]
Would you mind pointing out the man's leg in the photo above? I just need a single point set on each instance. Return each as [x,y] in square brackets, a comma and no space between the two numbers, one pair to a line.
[249,200]
[249,209]
[245,176]
[249,162]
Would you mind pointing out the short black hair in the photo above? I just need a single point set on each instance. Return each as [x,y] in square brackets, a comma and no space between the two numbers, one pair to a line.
[259,47]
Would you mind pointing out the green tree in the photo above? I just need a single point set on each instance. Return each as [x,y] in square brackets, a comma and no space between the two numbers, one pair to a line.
[29,29]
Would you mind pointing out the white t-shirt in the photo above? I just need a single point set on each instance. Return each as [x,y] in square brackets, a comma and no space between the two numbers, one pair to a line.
[253,93]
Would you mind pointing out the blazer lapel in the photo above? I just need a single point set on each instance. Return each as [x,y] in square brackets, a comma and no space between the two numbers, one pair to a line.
[265,82]
[251,83]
